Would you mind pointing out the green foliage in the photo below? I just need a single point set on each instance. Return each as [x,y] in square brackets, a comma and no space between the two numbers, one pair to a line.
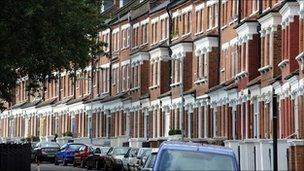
[68,134]
[40,37]
[175,132]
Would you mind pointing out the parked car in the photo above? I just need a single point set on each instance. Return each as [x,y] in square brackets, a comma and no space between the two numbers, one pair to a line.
[33,145]
[129,159]
[138,161]
[96,160]
[45,151]
[193,156]
[80,157]
[148,165]
[66,153]
[113,161]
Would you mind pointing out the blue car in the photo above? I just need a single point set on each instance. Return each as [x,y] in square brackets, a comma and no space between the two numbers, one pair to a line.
[66,153]
[193,156]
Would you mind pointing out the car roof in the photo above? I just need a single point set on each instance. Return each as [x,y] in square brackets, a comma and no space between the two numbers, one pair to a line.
[190,146]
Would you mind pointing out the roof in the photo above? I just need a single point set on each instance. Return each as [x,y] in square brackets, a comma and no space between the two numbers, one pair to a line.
[31,104]
[195,146]
[47,102]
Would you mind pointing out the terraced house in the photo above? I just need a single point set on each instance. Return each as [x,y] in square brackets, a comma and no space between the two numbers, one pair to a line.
[207,67]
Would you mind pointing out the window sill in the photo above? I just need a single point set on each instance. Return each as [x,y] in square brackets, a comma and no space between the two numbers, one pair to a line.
[225,26]
[233,21]
[176,84]
[104,93]
[265,69]
[186,34]
[153,87]
[134,88]
[198,33]
[283,64]
[300,59]
[240,75]
[175,38]
[201,81]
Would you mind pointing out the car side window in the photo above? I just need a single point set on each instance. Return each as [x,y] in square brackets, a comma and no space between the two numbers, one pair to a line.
[63,148]
[97,150]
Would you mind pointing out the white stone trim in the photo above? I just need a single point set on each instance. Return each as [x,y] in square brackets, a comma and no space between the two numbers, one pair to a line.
[159,54]
[212,2]
[301,11]
[187,9]
[154,20]
[135,25]
[288,11]
[175,14]
[107,65]
[138,58]
[125,26]
[125,62]
[200,6]
[270,21]
[225,45]
[116,65]
[105,31]
[116,30]
[205,45]
[179,50]
[145,21]
[163,16]
[246,31]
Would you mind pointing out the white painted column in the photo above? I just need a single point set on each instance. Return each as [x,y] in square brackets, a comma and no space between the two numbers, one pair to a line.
[206,122]
[167,121]
[199,112]
[233,122]
[246,120]
[154,123]
[158,122]
[214,121]
[128,123]
[146,114]
[296,118]
[108,116]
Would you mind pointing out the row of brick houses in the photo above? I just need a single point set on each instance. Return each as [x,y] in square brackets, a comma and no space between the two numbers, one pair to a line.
[209,68]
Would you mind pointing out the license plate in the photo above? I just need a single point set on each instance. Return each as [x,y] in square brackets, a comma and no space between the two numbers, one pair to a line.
[51,155]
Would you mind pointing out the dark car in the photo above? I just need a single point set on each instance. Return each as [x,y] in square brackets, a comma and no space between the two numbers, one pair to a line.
[149,162]
[66,153]
[45,151]
[193,156]
[113,161]
[33,145]
[80,157]
[97,158]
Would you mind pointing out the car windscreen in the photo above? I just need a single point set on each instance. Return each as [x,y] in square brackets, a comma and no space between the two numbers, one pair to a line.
[75,146]
[194,160]
[120,151]
[150,161]
[104,150]
[144,152]
[49,145]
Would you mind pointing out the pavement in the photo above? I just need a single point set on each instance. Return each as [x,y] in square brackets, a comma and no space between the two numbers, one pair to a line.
[52,167]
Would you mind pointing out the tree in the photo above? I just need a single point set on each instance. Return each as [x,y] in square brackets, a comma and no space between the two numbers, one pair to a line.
[40,37]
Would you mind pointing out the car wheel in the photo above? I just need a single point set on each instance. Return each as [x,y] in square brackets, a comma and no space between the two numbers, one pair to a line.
[56,161]
[97,165]
[82,164]
[65,162]
[74,164]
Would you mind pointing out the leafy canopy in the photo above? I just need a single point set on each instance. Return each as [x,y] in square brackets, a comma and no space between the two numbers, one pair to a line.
[40,37]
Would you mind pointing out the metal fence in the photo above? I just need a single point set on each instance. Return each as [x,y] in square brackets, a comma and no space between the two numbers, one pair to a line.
[15,157]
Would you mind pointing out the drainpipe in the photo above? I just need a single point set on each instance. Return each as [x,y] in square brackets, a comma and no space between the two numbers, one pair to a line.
[130,47]
[219,38]
[239,11]
[109,55]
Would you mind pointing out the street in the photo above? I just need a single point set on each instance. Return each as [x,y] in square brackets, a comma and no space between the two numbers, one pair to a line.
[52,167]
